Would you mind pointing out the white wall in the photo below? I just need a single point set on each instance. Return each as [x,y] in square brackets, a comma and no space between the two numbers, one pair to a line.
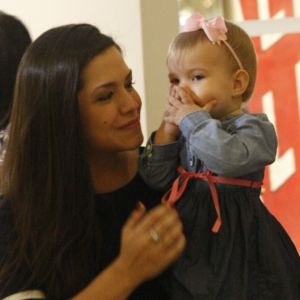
[122,19]
[160,24]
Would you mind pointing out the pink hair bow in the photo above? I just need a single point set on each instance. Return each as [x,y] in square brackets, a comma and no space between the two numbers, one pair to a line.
[215,29]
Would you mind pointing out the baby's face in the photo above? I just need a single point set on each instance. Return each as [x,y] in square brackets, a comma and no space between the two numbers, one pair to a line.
[206,70]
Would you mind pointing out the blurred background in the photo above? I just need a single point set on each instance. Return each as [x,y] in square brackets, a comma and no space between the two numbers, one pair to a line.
[144,29]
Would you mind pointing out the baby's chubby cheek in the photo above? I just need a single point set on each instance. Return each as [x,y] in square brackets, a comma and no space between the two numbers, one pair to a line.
[202,103]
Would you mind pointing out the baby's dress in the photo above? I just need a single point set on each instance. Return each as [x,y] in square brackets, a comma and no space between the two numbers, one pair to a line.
[250,257]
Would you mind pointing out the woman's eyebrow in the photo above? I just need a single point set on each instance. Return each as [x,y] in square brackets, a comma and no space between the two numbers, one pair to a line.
[111,84]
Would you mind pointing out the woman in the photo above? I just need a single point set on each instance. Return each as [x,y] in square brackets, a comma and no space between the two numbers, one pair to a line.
[70,178]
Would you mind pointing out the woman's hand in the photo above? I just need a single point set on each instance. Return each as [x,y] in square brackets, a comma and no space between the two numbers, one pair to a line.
[150,242]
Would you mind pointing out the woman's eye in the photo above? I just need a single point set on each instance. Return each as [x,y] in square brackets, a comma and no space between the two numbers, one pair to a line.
[104,97]
[197,77]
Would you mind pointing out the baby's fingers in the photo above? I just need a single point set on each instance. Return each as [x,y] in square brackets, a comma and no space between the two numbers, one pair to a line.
[175,102]
[209,105]
[185,95]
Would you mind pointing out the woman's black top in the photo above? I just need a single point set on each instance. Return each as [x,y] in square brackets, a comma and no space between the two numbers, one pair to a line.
[112,209]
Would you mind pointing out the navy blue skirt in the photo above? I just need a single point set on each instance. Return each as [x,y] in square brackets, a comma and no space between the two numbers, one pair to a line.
[250,258]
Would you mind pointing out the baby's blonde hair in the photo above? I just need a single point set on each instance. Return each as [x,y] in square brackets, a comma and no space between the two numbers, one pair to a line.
[237,38]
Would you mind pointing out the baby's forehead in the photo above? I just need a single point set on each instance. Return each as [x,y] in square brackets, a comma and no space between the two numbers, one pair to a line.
[206,57]
[202,49]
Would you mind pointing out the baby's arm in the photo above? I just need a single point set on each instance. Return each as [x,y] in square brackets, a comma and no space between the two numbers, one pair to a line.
[159,161]
[247,145]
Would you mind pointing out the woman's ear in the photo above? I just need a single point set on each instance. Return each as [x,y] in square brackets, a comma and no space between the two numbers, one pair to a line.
[240,82]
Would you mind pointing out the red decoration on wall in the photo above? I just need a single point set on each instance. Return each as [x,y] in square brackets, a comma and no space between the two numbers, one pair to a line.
[277,93]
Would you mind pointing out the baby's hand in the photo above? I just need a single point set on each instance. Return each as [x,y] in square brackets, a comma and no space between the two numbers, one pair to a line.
[166,133]
[170,128]
[182,102]
[188,96]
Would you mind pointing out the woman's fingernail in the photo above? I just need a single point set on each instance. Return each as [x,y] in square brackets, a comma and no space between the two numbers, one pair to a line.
[139,205]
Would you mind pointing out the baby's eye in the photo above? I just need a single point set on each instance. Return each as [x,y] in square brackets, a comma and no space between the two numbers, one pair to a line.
[197,77]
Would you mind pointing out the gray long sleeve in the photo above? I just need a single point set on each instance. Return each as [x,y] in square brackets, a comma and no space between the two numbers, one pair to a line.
[238,146]
[158,164]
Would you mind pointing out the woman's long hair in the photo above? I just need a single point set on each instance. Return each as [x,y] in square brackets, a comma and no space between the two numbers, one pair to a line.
[46,177]
[14,39]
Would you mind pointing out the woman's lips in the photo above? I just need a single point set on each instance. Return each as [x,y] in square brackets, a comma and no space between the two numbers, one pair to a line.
[131,124]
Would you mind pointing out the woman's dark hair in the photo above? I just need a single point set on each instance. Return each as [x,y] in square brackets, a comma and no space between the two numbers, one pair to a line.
[14,39]
[46,173]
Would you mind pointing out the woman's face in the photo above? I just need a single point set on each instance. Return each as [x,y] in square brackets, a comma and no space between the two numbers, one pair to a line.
[109,105]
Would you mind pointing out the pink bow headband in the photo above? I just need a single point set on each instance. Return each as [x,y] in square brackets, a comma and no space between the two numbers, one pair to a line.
[215,30]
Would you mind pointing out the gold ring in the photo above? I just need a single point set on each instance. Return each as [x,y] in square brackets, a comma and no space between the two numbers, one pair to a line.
[154,235]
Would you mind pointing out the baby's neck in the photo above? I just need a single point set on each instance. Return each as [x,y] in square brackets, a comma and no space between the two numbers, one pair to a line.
[235,112]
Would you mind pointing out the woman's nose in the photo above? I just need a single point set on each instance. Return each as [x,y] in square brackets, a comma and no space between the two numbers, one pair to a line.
[130,101]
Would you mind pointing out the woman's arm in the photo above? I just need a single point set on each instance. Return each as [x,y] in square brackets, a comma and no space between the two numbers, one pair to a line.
[111,284]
